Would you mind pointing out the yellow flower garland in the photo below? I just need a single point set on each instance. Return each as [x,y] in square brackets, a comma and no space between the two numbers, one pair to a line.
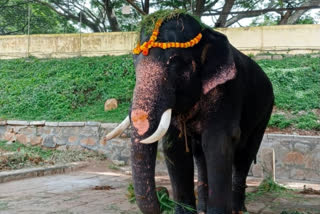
[144,48]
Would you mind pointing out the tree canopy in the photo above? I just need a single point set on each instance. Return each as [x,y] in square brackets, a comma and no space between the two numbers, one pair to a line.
[16,14]
[60,16]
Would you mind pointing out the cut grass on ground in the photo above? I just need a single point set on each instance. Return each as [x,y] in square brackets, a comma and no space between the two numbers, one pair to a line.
[16,156]
[269,192]
[75,89]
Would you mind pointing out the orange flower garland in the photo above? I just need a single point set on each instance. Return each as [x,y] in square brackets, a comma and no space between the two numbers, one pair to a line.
[144,48]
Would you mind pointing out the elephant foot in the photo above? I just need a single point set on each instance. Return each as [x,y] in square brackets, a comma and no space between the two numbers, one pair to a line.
[239,208]
[238,202]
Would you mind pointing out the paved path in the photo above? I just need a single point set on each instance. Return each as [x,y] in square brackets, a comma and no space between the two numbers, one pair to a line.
[74,194]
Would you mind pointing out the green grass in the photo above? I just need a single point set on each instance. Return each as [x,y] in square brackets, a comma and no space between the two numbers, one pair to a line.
[269,187]
[296,84]
[306,121]
[167,205]
[75,89]
[65,89]
[22,156]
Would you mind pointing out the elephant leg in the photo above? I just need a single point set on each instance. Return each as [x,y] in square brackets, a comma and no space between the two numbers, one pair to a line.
[240,172]
[180,168]
[218,150]
[243,159]
[202,185]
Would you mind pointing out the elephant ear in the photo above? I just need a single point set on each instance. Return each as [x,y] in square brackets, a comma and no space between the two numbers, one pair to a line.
[217,60]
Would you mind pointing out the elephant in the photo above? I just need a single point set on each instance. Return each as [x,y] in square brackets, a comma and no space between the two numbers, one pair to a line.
[208,103]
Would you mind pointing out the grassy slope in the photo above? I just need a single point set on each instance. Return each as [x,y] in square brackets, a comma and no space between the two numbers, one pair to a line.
[75,89]
[296,83]
[65,89]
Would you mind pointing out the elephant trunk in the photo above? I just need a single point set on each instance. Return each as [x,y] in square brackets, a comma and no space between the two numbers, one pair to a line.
[143,158]
[150,115]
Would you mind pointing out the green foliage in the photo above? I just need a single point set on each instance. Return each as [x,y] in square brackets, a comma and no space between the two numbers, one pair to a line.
[65,89]
[306,19]
[307,121]
[280,121]
[14,19]
[267,20]
[75,89]
[131,195]
[148,22]
[268,186]
[295,82]
[34,150]
[167,205]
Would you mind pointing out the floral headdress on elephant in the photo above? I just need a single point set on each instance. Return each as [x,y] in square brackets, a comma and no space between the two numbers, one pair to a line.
[156,19]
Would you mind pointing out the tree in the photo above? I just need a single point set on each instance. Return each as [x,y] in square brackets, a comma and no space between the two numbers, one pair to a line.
[289,10]
[229,12]
[97,15]
[106,15]
[293,16]
[14,18]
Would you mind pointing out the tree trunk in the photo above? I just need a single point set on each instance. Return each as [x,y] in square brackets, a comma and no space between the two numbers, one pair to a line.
[222,20]
[146,6]
[291,17]
[285,17]
[111,16]
[199,8]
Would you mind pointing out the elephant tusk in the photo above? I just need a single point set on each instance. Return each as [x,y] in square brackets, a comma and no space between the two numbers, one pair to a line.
[162,128]
[119,129]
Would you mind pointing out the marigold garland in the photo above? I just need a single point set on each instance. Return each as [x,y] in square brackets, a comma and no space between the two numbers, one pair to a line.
[144,48]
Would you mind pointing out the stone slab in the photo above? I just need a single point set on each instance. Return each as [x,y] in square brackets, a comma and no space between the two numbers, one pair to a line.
[315,56]
[51,123]
[7,176]
[72,124]
[92,123]
[18,122]
[49,141]
[3,122]
[277,57]
[109,125]
[262,57]
[37,123]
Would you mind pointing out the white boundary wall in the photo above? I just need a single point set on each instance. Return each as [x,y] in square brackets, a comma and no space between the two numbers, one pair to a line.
[282,39]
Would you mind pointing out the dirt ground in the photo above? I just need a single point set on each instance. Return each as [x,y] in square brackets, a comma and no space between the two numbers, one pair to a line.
[99,189]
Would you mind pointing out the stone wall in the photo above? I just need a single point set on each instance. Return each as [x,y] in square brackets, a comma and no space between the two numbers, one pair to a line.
[282,39]
[67,135]
[296,157]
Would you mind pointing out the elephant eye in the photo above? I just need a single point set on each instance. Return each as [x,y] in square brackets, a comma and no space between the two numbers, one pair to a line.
[173,59]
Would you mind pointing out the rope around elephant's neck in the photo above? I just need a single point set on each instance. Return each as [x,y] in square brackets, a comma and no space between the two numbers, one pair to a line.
[144,48]
[185,136]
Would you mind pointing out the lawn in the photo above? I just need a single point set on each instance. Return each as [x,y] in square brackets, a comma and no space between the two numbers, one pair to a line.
[75,89]
[65,89]
[296,84]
